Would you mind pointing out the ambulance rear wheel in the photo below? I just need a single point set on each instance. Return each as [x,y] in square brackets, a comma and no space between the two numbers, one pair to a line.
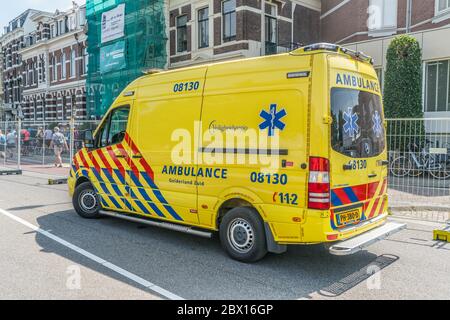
[86,202]
[242,235]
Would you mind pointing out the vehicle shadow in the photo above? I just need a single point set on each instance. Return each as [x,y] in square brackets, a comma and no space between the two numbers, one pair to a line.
[197,268]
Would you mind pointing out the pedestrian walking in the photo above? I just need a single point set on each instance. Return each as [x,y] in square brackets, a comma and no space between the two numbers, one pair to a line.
[11,140]
[40,137]
[2,145]
[48,135]
[59,144]
[25,140]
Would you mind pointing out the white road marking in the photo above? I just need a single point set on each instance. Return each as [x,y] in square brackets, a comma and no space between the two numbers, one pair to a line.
[95,258]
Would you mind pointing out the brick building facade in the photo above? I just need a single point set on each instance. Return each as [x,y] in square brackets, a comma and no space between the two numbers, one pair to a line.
[45,65]
[347,21]
[55,67]
[201,31]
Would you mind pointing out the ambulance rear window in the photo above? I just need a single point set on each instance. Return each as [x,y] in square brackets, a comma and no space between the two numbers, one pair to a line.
[358,123]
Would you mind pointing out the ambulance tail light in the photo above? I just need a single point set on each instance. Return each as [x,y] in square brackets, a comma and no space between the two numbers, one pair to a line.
[319,184]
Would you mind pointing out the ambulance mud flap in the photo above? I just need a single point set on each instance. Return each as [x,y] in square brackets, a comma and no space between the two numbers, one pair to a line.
[364,240]
[272,246]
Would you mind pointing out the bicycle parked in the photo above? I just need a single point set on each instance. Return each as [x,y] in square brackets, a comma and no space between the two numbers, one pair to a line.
[418,161]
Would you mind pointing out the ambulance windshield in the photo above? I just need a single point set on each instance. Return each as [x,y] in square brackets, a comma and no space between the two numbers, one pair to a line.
[358,123]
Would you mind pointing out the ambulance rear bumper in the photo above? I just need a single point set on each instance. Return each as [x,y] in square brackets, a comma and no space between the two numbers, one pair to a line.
[358,243]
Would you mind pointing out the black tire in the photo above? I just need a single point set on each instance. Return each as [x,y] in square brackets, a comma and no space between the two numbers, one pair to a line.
[242,235]
[86,202]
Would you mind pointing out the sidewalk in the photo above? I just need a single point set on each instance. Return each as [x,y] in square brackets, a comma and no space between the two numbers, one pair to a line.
[49,171]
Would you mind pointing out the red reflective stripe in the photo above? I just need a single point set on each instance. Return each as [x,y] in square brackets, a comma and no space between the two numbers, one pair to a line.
[83,159]
[131,144]
[116,161]
[382,206]
[374,208]
[360,192]
[75,162]
[143,163]
[94,161]
[384,188]
[340,193]
[129,160]
[104,160]
[372,190]
[148,169]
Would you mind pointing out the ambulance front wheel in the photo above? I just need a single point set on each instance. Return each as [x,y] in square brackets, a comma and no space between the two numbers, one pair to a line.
[242,235]
[86,202]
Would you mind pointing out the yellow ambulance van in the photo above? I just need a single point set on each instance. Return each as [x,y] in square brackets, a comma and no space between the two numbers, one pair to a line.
[272,151]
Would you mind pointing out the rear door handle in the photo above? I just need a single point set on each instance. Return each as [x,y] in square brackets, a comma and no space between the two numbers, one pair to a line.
[372,176]
[384,163]
[137,156]
[119,155]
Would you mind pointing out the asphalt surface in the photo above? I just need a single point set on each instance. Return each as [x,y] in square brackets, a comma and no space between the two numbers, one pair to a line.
[408,265]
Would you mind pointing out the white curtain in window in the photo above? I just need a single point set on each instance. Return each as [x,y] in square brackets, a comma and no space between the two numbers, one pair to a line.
[382,14]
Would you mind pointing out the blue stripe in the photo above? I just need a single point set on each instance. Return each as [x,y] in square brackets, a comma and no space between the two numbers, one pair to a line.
[135,179]
[335,199]
[173,213]
[351,195]
[127,203]
[142,207]
[97,175]
[149,202]
[104,188]
[104,203]
[160,197]
[114,201]
[108,175]
[149,180]
[117,190]
[120,176]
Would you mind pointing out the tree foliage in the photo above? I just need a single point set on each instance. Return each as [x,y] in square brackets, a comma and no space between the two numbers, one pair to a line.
[403,79]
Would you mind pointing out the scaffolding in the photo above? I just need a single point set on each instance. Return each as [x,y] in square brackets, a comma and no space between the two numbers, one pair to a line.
[143,46]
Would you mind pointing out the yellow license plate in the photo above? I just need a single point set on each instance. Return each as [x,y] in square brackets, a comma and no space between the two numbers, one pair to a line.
[350,217]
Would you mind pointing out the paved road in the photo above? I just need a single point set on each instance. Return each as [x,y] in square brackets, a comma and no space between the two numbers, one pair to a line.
[37,265]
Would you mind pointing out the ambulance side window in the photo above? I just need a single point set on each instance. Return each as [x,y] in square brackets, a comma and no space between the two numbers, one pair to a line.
[114,128]
[118,125]
[101,139]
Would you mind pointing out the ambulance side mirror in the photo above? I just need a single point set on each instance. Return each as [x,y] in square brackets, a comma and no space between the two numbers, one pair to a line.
[89,139]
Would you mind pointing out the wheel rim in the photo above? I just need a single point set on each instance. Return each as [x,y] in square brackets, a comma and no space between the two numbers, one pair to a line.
[241,235]
[88,201]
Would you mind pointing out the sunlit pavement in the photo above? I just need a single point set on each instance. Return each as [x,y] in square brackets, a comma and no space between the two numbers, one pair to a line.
[36,266]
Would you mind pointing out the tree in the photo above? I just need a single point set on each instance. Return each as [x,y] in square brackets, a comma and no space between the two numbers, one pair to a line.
[403,79]
[403,93]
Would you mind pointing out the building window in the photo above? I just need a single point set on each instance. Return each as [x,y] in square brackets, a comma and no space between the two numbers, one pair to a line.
[86,60]
[182,33]
[63,66]
[203,28]
[437,93]
[382,15]
[229,20]
[55,69]
[72,63]
[442,6]
[271,28]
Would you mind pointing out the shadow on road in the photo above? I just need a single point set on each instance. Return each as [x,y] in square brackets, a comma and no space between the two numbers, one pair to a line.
[197,268]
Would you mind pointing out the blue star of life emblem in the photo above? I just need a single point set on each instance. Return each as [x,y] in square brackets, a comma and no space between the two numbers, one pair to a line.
[272,120]
[351,123]
[377,125]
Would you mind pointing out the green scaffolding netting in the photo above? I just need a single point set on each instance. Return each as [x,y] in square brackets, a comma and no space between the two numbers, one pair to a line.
[116,63]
